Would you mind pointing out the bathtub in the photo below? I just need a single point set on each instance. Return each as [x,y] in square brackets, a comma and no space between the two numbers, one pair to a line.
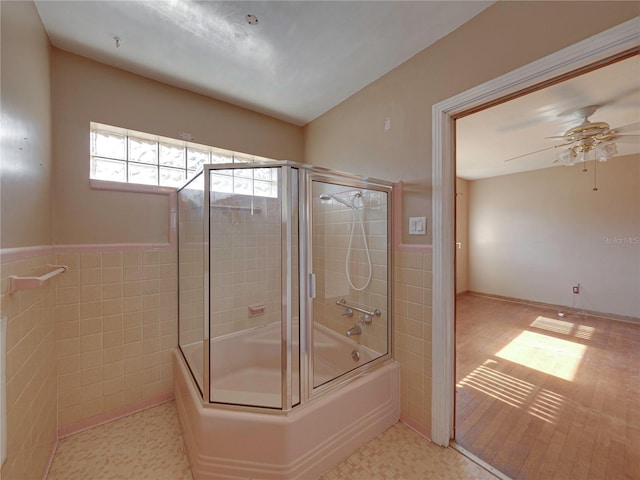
[302,443]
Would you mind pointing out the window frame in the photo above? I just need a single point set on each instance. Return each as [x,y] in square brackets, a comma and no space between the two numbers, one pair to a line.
[215,155]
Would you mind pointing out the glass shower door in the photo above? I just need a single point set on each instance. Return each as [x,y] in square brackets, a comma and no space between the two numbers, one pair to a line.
[252,295]
[350,262]
[190,274]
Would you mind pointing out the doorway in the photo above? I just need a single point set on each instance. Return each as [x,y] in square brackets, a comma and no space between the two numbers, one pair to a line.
[596,49]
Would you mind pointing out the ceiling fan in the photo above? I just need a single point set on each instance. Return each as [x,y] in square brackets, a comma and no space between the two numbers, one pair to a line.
[586,137]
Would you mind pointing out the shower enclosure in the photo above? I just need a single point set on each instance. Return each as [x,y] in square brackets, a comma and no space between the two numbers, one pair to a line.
[284,281]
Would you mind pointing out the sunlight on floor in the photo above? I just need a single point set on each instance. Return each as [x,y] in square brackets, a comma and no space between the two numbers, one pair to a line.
[498,385]
[539,402]
[550,355]
[561,326]
[547,405]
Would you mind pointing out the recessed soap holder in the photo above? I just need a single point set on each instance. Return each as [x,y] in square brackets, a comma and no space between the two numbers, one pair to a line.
[256,309]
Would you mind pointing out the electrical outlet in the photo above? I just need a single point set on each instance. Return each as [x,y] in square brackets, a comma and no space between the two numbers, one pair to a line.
[576,289]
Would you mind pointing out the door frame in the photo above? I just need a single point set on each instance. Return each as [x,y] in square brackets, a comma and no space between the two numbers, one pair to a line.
[599,48]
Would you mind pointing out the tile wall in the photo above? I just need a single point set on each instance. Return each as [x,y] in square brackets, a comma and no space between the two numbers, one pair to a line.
[30,369]
[412,336]
[332,223]
[116,316]
[245,262]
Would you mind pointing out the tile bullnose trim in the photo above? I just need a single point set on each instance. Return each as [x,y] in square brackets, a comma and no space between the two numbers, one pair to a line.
[8,255]
[14,254]
[422,430]
[111,247]
[52,454]
[91,422]
[413,248]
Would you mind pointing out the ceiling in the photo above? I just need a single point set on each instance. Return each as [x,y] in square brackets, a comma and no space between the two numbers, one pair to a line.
[301,59]
[304,57]
[486,139]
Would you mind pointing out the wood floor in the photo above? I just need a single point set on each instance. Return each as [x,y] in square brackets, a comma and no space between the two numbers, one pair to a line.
[541,396]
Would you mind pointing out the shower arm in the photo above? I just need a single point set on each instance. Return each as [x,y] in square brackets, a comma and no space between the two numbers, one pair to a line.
[343,303]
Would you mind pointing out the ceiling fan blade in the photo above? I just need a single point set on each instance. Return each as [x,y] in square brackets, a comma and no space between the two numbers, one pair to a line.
[538,151]
[530,153]
[632,127]
[627,139]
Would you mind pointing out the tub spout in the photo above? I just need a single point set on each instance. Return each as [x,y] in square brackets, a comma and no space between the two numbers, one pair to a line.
[355,330]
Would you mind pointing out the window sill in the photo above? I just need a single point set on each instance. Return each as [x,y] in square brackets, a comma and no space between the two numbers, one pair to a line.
[130,187]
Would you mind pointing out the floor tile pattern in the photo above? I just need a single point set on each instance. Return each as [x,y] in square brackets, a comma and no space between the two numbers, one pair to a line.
[145,446]
[401,454]
[149,446]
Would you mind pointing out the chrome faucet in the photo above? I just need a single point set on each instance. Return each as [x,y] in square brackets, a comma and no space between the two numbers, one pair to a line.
[348,313]
[355,330]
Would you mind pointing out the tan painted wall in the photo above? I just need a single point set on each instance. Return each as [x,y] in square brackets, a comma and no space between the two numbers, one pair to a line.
[534,235]
[87,91]
[462,235]
[25,158]
[25,171]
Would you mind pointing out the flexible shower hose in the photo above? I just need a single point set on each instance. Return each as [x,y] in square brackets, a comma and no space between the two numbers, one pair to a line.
[356,212]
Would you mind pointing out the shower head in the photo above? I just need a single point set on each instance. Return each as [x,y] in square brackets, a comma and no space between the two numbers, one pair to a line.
[328,196]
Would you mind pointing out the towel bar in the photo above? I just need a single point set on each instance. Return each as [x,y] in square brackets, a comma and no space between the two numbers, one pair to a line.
[24,283]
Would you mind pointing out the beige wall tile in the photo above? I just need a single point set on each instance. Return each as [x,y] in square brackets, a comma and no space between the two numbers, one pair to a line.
[113,338]
[90,293]
[31,366]
[113,370]
[112,259]
[90,326]
[90,260]
[112,291]
[91,376]
[90,276]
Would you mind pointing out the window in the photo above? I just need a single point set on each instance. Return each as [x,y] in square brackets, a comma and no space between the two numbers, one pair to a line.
[127,156]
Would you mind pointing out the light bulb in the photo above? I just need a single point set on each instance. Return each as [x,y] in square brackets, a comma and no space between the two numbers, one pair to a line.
[605,151]
[567,157]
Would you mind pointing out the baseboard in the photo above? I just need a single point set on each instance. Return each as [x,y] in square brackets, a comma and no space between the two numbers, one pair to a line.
[422,430]
[112,415]
[52,454]
[561,308]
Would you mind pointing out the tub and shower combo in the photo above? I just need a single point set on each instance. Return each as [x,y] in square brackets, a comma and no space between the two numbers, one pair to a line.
[284,364]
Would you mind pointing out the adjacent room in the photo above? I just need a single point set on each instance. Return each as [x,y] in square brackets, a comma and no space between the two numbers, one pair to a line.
[548,275]
[221,242]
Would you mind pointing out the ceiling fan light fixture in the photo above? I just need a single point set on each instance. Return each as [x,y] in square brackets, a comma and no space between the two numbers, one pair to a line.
[567,157]
[606,151]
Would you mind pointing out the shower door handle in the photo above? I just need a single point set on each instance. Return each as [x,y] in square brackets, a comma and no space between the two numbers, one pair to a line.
[312,285]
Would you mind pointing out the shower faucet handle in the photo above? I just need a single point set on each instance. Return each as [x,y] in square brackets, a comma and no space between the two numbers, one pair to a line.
[366,319]
[348,313]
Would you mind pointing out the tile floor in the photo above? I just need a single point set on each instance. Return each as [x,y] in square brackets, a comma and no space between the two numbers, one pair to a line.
[148,445]
[145,445]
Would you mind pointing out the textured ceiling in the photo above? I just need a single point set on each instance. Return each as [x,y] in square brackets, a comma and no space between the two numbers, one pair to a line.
[301,59]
